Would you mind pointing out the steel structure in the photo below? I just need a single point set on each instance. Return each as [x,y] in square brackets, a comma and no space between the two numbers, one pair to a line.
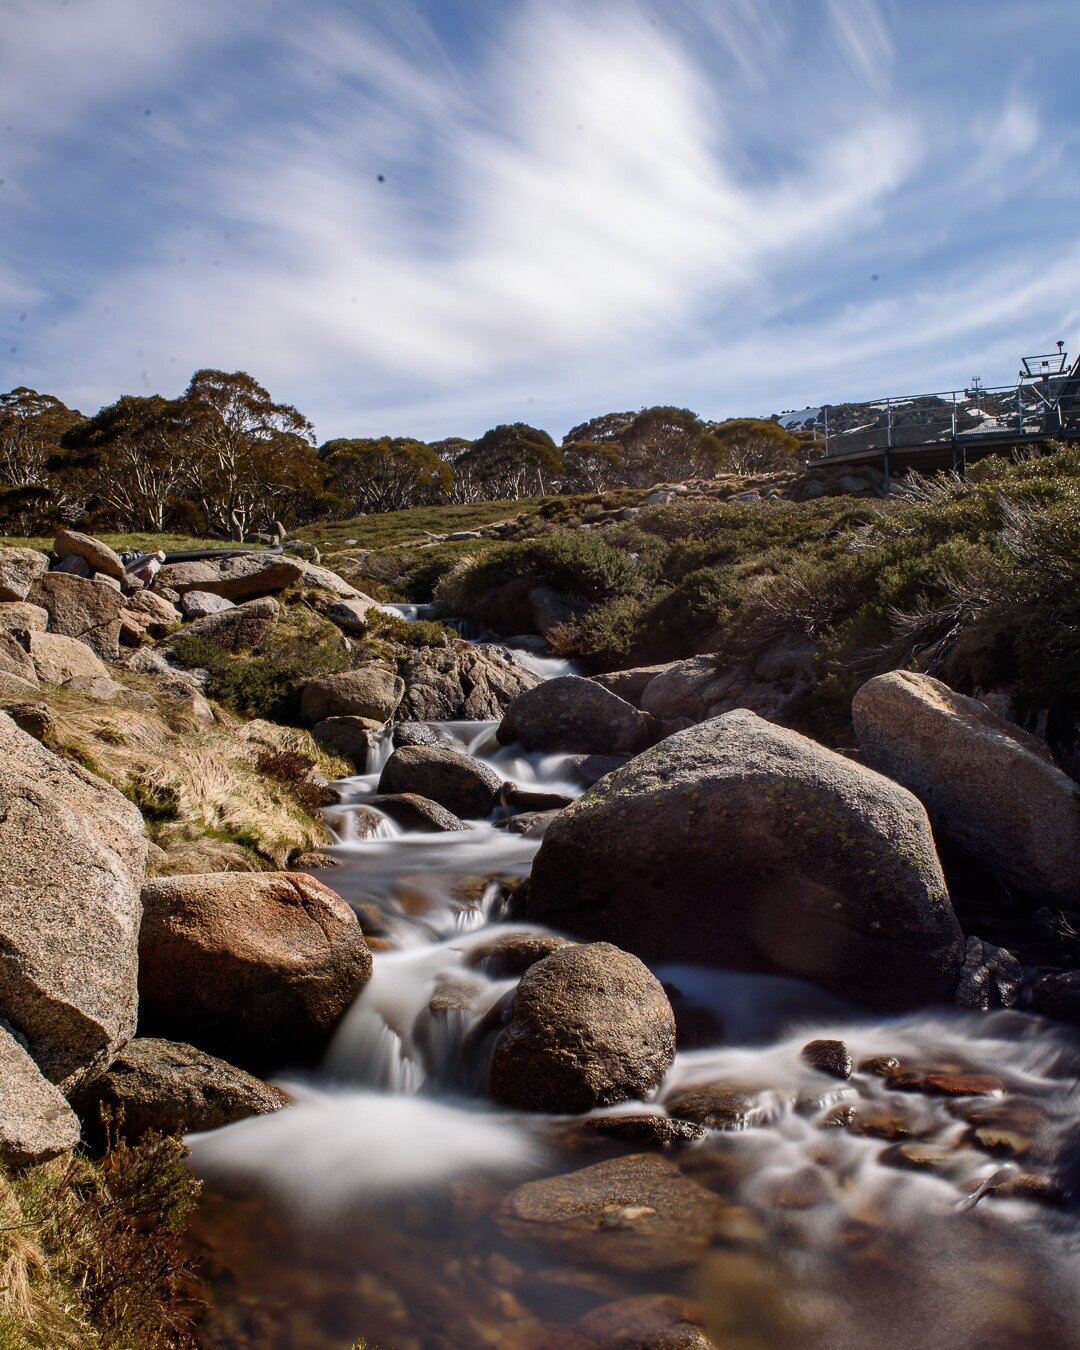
[947,428]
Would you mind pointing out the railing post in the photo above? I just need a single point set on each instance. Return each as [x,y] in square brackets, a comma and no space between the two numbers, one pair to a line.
[888,446]
[825,411]
[1019,412]
[953,437]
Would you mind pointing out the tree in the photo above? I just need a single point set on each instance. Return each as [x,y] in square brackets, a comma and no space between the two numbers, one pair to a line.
[386,473]
[254,459]
[592,466]
[38,489]
[140,458]
[754,446]
[666,444]
[514,460]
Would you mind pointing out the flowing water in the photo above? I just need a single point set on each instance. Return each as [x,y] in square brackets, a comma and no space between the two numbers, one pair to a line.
[845,1214]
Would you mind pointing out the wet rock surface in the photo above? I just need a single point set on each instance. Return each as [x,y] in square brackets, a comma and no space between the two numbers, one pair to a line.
[413,812]
[589,1026]
[631,1213]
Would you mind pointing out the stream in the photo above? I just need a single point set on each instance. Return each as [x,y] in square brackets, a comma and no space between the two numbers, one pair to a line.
[376,1205]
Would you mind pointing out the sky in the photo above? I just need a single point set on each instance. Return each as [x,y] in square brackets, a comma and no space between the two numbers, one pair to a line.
[427,219]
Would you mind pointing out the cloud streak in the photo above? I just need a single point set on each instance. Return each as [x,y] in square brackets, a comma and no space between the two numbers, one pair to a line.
[388,221]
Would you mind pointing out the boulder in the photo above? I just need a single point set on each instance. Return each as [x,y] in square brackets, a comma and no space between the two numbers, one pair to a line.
[585,770]
[589,1026]
[19,569]
[172,1088]
[15,660]
[72,544]
[201,604]
[631,684]
[76,566]
[350,737]
[531,824]
[509,954]
[740,844]
[35,719]
[158,613]
[658,1321]
[423,733]
[258,967]
[413,812]
[636,1213]
[81,609]
[245,576]
[460,683]
[687,688]
[462,784]
[58,659]
[724,1104]
[372,692]
[1058,995]
[351,614]
[575,714]
[990,977]
[36,1122]
[324,580]
[72,856]
[989,787]
[16,616]
[238,627]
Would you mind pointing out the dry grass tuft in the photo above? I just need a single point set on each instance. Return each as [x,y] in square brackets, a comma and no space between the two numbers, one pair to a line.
[208,804]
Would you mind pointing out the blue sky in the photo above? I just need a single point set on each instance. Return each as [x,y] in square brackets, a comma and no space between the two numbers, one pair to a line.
[429,218]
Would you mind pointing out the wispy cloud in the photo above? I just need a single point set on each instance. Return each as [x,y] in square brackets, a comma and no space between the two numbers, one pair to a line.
[410,227]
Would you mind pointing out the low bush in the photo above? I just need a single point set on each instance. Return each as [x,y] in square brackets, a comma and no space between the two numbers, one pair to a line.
[93,1253]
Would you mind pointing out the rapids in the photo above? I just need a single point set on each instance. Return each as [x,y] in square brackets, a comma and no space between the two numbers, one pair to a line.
[366,1207]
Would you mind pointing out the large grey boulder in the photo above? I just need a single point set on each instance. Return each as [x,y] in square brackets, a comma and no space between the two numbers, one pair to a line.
[81,609]
[574,714]
[321,578]
[350,737]
[371,691]
[460,683]
[465,786]
[36,1122]
[175,1089]
[242,577]
[237,627]
[740,844]
[258,967]
[19,569]
[589,1026]
[58,660]
[72,859]
[988,786]
[102,558]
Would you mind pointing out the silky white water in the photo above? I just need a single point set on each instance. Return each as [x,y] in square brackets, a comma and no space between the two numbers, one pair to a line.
[398,1110]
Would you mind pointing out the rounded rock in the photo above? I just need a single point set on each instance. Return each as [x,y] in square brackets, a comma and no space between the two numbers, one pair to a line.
[589,1026]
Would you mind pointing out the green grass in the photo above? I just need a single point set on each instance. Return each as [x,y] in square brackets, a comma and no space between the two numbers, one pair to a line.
[130,543]
[391,529]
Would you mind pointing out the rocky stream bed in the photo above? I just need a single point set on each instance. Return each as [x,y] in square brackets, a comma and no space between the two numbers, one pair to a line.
[801,1172]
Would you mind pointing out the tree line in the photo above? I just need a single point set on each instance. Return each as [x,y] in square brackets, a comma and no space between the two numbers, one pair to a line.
[224,459]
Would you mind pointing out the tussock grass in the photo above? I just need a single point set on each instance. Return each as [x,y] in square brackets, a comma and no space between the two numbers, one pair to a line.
[208,804]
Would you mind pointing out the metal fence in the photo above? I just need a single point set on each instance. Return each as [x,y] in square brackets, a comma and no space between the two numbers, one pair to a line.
[1037,409]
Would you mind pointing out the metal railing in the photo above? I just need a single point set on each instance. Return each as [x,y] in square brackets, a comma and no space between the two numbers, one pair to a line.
[1028,409]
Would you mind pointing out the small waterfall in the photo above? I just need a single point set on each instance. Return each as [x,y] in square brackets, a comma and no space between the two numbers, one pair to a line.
[380,748]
